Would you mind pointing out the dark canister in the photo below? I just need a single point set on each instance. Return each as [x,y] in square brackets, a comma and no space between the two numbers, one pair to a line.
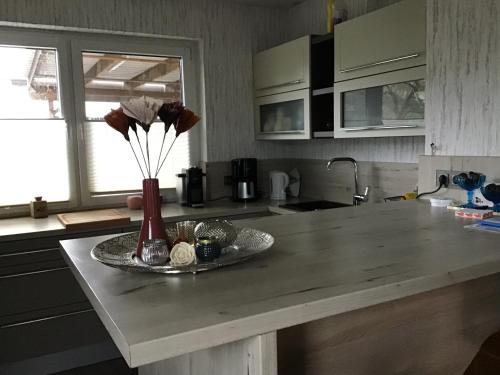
[207,249]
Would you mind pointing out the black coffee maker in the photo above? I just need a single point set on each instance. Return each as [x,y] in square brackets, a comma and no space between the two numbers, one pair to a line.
[190,187]
[244,179]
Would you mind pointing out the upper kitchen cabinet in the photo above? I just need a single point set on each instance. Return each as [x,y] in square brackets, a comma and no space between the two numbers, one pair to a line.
[388,39]
[282,91]
[379,88]
[283,68]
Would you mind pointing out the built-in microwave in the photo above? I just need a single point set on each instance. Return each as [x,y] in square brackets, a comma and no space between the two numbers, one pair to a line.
[380,105]
[283,116]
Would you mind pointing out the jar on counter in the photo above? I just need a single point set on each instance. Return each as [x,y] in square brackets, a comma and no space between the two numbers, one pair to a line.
[39,208]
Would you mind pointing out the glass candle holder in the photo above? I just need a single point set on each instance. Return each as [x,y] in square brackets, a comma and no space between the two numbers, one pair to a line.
[185,232]
[155,252]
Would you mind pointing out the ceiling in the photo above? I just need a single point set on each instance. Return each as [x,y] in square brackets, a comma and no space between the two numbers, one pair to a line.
[270,3]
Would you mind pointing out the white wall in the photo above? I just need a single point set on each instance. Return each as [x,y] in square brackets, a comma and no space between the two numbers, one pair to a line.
[463,77]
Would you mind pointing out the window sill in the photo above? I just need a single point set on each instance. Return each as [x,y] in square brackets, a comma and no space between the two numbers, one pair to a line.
[28,228]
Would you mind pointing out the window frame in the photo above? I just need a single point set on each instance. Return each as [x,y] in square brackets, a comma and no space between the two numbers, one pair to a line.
[69,44]
[20,37]
[184,49]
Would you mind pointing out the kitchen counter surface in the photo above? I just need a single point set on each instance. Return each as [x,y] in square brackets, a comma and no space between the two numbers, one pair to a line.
[27,227]
[322,264]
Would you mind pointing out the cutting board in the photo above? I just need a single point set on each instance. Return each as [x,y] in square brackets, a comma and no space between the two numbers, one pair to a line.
[93,219]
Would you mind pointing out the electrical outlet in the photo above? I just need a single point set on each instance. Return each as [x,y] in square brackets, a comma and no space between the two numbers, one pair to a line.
[449,174]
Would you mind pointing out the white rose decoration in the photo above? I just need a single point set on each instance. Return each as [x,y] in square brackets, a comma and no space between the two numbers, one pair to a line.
[182,254]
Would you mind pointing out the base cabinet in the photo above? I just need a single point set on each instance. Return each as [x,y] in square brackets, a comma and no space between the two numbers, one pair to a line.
[46,322]
[74,340]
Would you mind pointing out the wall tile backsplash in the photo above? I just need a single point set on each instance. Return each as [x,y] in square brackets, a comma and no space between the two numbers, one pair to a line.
[385,179]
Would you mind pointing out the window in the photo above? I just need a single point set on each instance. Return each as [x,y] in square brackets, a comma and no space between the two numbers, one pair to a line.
[33,146]
[56,87]
[109,79]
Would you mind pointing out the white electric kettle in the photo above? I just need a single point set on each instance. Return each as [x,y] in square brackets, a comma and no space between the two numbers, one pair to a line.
[278,181]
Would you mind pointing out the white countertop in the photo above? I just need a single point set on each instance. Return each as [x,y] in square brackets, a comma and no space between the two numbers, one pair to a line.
[323,263]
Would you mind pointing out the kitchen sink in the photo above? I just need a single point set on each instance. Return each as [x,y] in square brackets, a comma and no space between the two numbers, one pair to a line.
[313,205]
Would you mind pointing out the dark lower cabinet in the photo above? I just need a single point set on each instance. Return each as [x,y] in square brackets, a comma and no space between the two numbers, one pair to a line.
[46,322]
[51,335]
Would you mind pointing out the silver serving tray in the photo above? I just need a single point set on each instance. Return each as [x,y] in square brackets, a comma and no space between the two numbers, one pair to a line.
[119,252]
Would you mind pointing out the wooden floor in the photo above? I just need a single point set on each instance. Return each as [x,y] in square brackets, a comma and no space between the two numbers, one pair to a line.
[112,367]
[487,361]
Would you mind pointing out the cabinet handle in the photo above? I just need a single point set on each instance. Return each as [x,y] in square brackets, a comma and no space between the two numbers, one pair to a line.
[26,322]
[380,128]
[54,249]
[297,81]
[413,55]
[284,132]
[34,272]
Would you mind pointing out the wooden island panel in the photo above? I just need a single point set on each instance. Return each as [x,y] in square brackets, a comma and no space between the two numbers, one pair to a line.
[437,333]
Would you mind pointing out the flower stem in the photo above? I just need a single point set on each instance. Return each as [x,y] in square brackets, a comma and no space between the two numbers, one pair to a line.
[147,153]
[165,158]
[139,164]
[159,156]
[140,147]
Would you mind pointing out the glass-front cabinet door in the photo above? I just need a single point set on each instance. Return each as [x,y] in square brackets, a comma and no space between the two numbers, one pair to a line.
[389,104]
[283,116]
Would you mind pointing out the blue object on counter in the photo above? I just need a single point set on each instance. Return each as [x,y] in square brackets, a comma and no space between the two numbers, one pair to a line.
[492,193]
[469,182]
[492,222]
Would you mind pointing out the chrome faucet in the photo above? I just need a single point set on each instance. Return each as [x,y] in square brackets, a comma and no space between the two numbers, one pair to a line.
[357,198]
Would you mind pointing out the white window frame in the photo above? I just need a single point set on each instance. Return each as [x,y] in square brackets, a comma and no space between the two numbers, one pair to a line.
[186,50]
[69,45]
[20,37]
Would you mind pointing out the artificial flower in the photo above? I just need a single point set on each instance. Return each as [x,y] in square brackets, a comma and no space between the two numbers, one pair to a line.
[187,119]
[182,254]
[143,109]
[132,123]
[169,113]
[118,121]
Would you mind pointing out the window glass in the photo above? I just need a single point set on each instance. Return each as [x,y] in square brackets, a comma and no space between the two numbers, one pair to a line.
[112,78]
[33,141]
[111,164]
[389,105]
[28,84]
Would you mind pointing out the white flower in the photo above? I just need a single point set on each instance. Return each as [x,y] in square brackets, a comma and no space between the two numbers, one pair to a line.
[144,109]
[182,254]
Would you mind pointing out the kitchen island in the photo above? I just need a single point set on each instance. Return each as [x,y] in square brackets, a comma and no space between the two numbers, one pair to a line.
[379,289]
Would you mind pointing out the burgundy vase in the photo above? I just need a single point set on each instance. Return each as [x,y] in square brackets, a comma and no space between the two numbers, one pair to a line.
[152,225]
